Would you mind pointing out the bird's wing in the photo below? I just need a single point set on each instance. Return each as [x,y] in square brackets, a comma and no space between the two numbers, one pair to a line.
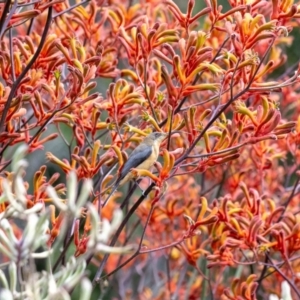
[138,155]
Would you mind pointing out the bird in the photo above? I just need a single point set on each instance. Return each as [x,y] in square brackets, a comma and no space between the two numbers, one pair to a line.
[142,157]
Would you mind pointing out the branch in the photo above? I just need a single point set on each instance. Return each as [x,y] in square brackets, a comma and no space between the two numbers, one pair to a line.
[15,85]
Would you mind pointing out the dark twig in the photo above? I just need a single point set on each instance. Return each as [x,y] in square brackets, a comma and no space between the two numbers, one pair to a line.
[15,85]
[118,232]
[178,108]
[11,53]
[211,121]
[5,18]
[70,8]
[264,270]
[292,285]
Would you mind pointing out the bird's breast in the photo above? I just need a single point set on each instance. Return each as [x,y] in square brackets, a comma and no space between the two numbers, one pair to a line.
[148,163]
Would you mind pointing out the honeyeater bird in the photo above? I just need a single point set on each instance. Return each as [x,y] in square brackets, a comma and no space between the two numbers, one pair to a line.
[142,157]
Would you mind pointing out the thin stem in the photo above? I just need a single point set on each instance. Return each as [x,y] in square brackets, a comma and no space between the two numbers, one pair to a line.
[264,270]
[70,8]
[163,247]
[286,204]
[118,232]
[115,238]
[178,108]
[211,121]
[4,18]
[292,285]
[144,85]
[11,53]
[15,85]
[63,253]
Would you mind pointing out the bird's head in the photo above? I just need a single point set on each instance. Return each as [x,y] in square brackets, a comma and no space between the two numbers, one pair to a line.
[155,137]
